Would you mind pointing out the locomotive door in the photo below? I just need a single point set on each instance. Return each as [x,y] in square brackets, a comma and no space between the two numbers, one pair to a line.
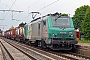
[39,29]
[43,27]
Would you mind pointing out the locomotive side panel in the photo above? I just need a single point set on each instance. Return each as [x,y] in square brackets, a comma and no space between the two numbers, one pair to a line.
[39,29]
[36,31]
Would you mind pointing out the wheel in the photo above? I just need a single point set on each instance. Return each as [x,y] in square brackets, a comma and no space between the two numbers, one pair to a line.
[74,49]
[43,44]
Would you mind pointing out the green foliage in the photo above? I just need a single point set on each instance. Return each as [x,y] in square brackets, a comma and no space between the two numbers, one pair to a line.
[79,16]
[22,24]
[64,14]
[11,28]
[86,24]
[84,41]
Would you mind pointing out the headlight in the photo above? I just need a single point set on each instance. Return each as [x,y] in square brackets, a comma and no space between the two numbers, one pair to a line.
[70,32]
[53,35]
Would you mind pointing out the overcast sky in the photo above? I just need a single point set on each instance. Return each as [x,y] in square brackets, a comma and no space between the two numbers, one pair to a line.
[27,6]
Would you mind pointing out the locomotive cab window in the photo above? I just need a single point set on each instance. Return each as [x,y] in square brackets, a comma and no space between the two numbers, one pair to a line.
[39,26]
[61,22]
[44,22]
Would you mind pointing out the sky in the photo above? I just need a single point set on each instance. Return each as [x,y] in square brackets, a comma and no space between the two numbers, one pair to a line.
[27,6]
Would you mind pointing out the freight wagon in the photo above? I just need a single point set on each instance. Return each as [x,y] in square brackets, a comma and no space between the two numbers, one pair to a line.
[19,33]
[15,33]
[12,34]
[7,34]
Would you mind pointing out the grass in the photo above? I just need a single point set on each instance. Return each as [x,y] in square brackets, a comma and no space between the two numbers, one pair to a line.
[84,41]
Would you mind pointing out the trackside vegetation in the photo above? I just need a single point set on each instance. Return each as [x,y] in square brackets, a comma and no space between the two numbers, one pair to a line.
[81,20]
[83,40]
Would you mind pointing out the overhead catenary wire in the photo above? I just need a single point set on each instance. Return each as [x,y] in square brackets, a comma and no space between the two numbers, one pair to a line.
[28,9]
[24,17]
[38,10]
[10,8]
[8,11]
[48,5]
[5,6]
[15,12]
[41,8]
[15,5]
[34,3]
[7,3]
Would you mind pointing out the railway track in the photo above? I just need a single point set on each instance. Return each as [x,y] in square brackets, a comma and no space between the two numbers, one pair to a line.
[73,55]
[69,55]
[38,55]
[11,57]
[79,55]
[6,52]
[49,54]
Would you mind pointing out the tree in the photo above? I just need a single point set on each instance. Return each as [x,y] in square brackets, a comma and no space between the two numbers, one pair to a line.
[22,24]
[64,14]
[79,16]
[86,24]
[11,28]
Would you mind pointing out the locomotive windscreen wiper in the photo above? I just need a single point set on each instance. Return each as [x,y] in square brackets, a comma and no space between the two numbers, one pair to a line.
[57,18]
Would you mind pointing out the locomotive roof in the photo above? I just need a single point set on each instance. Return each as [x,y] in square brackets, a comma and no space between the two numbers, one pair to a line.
[46,15]
[55,14]
[36,19]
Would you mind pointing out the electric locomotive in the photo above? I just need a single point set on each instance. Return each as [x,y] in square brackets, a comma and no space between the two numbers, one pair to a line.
[53,31]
